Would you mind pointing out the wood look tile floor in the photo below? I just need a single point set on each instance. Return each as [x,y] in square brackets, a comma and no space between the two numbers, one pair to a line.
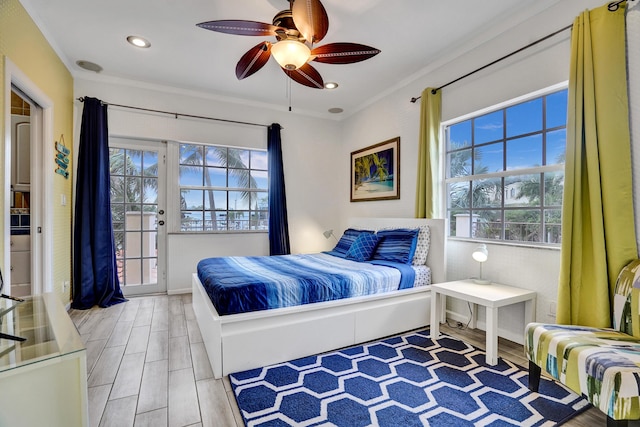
[147,366]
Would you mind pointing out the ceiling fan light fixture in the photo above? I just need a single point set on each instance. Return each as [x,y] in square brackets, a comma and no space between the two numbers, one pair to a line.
[290,54]
[297,31]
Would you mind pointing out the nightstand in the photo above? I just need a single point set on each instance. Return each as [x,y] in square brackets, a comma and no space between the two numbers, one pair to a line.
[492,297]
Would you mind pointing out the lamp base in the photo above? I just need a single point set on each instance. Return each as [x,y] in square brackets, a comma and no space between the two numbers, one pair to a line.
[481,281]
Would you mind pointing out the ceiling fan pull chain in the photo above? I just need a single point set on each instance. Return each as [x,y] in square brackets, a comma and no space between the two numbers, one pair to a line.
[289,84]
[287,90]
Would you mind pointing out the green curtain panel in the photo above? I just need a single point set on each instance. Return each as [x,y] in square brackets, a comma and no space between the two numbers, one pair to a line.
[427,191]
[597,213]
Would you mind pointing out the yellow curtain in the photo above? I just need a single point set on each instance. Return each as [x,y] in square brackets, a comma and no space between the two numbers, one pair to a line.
[597,213]
[427,191]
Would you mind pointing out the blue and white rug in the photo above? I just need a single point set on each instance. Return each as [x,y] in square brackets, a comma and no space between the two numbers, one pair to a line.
[407,380]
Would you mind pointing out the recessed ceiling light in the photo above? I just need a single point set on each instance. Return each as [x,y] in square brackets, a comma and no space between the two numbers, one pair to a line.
[138,41]
[89,66]
[336,110]
[330,85]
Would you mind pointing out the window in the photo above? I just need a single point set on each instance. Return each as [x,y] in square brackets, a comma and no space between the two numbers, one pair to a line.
[222,188]
[505,171]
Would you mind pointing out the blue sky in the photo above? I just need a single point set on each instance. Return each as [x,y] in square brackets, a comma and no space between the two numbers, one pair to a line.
[519,119]
[194,175]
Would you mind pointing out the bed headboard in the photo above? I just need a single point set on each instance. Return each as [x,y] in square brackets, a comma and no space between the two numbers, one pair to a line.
[437,258]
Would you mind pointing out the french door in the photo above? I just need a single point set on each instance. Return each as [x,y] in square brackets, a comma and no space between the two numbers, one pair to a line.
[137,170]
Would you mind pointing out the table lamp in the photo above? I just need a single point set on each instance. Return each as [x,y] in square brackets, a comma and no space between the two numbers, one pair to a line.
[481,254]
[329,233]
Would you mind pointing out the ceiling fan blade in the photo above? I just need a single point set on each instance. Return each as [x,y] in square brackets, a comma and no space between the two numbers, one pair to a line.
[311,19]
[241,27]
[343,53]
[253,60]
[306,75]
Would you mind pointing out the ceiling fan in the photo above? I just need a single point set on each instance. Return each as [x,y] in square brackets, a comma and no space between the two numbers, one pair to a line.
[296,30]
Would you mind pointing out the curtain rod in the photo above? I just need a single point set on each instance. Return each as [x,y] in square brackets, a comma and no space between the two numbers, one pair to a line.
[612,6]
[176,115]
[413,100]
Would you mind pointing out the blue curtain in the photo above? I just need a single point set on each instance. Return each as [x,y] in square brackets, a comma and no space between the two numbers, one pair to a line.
[95,278]
[278,222]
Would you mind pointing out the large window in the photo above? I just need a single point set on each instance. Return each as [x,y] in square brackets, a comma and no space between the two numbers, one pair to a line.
[222,188]
[505,171]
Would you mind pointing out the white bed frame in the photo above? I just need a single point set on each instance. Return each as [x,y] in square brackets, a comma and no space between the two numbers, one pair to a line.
[251,340]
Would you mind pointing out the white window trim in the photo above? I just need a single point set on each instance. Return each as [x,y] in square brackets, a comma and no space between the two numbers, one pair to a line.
[442,160]
[505,104]
[173,190]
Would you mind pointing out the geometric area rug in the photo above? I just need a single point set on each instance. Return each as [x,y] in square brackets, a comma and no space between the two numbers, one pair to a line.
[406,380]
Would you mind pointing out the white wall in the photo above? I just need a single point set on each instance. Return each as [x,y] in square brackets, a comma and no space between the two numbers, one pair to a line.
[316,152]
[539,67]
[309,151]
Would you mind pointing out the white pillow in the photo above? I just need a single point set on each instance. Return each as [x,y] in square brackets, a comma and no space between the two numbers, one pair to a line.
[422,245]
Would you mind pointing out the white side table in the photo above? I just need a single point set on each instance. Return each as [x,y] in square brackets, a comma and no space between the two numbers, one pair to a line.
[491,296]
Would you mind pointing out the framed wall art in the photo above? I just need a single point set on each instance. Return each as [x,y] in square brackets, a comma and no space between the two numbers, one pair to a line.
[375,172]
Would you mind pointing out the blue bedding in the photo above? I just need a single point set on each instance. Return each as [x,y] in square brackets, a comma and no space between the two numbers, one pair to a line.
[244,284]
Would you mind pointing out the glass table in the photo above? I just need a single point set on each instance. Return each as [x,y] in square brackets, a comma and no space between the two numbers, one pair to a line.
[47,370]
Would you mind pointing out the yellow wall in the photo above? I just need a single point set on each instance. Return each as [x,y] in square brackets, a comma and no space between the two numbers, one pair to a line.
[23,43]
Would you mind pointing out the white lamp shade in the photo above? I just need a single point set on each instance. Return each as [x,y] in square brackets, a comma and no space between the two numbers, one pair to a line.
[290,54]
[480,254]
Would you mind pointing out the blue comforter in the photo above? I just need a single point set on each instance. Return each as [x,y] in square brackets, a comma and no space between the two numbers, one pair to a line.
[243,284]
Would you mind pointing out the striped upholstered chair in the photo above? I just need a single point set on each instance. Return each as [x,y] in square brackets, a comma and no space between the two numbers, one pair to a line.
[601,364]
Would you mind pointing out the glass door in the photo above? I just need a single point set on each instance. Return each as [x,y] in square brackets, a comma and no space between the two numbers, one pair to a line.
[137,207]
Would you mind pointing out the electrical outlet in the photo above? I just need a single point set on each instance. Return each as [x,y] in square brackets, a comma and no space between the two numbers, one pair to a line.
[65,286]
[552,308]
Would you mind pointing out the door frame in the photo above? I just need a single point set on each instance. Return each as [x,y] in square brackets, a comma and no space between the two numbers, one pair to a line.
[135,143]
[41,187]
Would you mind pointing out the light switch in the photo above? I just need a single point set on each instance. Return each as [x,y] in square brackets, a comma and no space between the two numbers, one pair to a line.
[63,200]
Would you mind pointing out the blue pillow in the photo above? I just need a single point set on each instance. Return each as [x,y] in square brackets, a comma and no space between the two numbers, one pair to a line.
[348,237]
[363,248]
[398,245]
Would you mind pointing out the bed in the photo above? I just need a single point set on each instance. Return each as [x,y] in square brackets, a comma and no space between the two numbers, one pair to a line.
[253,339]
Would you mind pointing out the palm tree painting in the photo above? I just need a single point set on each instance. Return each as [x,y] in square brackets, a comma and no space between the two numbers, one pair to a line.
[375,172]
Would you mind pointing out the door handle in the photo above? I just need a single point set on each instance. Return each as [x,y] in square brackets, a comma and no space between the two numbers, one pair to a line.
[160,222]
[161,212]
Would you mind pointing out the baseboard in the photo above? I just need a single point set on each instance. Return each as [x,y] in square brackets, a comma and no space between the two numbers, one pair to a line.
[179,291]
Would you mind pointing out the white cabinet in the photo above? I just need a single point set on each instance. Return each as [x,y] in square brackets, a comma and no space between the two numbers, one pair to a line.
[20,265]
[21,153]
[43,380]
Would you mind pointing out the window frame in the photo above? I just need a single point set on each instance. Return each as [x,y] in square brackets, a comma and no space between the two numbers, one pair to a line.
[175,189]
[536,170]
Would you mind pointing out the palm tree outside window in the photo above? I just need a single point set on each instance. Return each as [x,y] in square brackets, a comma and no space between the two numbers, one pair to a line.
[222,188]
[505,170]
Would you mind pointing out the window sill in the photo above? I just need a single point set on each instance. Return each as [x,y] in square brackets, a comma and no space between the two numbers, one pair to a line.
[225,232]
[544,246]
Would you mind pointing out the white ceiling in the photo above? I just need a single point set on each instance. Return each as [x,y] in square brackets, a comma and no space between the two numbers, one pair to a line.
[410,33]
